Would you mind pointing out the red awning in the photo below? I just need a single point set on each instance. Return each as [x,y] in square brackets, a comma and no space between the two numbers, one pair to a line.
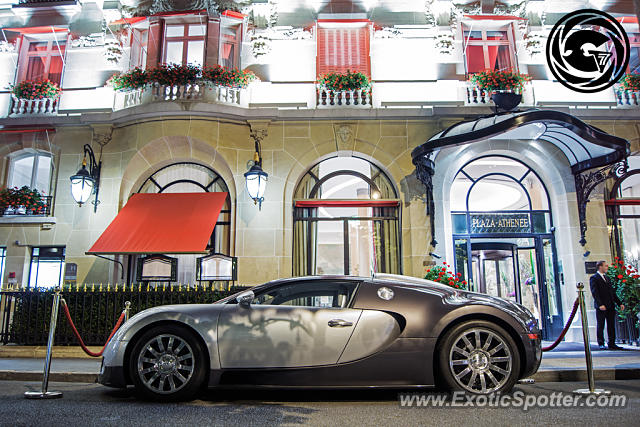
[38,30]
[622,202]
[133,20]
[346,203]
[165,223]
[496,17]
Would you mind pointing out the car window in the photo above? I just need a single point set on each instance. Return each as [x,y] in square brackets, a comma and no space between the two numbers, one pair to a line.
[309,294]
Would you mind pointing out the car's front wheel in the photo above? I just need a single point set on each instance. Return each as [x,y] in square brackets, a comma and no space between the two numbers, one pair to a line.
[479,357]
[167,363]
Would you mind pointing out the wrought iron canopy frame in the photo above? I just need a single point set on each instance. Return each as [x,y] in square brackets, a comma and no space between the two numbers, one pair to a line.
[611,163]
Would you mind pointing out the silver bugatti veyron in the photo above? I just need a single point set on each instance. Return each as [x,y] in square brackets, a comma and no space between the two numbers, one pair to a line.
[329,331]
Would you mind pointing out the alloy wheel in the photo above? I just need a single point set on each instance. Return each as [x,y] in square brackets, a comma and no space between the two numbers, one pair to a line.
[480,360]
[165,364]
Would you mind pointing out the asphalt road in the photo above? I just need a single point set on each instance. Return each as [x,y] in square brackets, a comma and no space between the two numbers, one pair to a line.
[92,404]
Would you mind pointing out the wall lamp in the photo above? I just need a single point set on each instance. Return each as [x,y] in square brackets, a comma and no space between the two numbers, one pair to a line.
[87,181]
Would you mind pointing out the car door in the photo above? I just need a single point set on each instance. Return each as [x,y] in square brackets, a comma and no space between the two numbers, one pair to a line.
[295,324]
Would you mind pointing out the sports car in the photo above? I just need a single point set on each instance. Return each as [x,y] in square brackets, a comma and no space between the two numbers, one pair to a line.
[327,331]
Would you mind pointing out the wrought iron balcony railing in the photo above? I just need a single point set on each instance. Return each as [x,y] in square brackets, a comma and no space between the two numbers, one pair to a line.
[44,210]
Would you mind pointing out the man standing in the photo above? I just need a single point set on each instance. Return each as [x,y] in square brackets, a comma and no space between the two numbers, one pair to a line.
[605,301]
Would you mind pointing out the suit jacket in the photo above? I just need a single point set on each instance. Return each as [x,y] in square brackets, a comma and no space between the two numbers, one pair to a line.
[603,292]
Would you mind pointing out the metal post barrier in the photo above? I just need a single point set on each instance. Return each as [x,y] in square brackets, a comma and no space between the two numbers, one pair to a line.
[127,308]
[44,393]
[587,348]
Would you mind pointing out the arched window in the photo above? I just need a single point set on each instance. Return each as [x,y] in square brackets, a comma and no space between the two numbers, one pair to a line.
[32,169]
[346,220]
[623,211]
[189,177]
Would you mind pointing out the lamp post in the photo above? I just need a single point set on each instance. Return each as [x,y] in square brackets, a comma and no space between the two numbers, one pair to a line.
[255,177]
[87,181]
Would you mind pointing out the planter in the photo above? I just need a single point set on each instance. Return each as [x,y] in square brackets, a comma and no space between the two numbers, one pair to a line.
[506,101]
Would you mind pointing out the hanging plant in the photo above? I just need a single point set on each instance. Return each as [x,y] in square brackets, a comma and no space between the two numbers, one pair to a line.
[344,81]
[220,76]
[30,89]
[131,80]
[440,274]
[22,200]
[630,82]
[496,81]
[173,74]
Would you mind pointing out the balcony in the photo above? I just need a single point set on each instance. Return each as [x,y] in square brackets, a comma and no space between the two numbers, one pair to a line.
[627,98]
[34,107]
[180,93]
[20,215]
[344,98]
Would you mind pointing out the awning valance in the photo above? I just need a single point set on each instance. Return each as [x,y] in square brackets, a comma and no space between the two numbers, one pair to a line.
[165,223]
[584,146]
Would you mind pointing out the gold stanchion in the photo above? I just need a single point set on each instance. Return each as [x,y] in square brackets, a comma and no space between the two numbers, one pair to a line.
[44,393]
[127,307]
[587,348]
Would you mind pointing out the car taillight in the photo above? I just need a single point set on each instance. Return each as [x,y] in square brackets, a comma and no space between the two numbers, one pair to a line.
[533,336]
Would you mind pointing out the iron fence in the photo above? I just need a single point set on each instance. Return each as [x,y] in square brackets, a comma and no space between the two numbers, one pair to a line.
[25,313]
[627,331]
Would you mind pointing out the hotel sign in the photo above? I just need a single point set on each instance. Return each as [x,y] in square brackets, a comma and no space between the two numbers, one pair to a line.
[500,223]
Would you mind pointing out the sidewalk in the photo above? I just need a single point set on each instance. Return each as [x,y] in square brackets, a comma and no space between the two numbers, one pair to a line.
[565,363]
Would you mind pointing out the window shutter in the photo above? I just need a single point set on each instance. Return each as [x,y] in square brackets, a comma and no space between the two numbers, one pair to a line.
[343,49]
[154,43]
[213,42]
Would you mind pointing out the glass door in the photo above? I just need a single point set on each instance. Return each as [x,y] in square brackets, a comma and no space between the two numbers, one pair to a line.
[529,280]
[549,288]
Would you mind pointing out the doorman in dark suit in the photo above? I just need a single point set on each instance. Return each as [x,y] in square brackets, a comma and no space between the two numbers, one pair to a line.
[605,302]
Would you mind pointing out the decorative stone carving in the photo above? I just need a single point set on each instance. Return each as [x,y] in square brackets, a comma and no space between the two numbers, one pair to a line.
[345,136]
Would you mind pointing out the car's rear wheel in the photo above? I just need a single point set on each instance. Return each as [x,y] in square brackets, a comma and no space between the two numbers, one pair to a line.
[167,363]
[479,357]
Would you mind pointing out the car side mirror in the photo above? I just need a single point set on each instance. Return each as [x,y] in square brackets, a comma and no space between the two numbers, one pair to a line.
[245,298]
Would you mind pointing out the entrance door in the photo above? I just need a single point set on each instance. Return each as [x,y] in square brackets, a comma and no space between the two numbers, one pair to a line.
[524,274]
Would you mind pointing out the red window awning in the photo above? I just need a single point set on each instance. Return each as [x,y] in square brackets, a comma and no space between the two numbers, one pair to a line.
[165,223]
[38,30]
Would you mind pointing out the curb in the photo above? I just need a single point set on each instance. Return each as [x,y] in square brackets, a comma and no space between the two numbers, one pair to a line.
[560,375]
[63,377]
[568,375]
[39,352]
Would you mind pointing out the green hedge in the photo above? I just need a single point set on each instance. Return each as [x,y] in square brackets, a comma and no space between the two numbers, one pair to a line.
[26,314]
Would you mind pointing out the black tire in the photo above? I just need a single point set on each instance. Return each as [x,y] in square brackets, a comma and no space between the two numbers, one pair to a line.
[180,367]
[472,367]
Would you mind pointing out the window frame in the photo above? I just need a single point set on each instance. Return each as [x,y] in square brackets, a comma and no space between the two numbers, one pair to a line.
[634,45]
[55,47]
[315,285]
[510,42]
[185,39]
[34,168]
[39,258]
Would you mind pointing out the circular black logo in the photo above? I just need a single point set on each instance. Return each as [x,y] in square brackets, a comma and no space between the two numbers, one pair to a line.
[588,51]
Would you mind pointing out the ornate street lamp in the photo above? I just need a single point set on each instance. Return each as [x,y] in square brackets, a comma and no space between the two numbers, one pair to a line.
[256,178]
[87,182]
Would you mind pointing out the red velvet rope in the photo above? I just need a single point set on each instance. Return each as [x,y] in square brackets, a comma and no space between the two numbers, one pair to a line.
[566,328]
[75,331]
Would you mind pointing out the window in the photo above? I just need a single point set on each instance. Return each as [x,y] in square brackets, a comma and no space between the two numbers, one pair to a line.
[230,42]
[42,60]
[309,294]
[343,48]
[32,170]
[346,220]
[3,258]
[488,49]
[47,266]
[188,177]
[634,53]
[184,44]
[139,39]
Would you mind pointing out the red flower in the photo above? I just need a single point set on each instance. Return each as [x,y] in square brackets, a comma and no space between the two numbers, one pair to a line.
[619,276]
